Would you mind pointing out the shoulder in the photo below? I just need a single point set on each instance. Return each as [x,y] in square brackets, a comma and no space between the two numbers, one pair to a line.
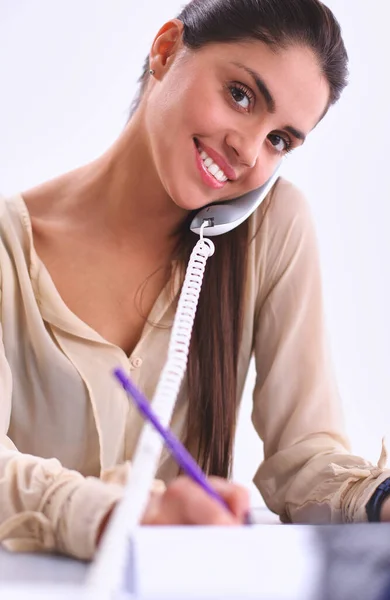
[283,238]
[284,216]
[285,205]
[14,219]
[15,230]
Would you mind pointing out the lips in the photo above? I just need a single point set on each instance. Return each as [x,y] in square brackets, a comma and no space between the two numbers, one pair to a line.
[208,179]
[218,159]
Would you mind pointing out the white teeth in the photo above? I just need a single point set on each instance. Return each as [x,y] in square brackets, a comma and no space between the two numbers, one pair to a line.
[220,176]
[212,167]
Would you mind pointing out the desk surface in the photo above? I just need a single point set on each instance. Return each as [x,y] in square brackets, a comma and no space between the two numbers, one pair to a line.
[355,560]
[38,568]
[35,568]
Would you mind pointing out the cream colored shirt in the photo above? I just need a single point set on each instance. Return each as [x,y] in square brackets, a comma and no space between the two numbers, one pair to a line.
[65,424]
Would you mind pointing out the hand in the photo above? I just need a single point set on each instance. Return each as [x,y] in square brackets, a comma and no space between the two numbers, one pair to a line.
[186,503]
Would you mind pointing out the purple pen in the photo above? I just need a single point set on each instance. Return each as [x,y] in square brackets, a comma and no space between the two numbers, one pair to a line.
[176,448]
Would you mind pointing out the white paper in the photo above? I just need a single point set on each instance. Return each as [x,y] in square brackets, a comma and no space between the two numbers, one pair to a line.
[210,563]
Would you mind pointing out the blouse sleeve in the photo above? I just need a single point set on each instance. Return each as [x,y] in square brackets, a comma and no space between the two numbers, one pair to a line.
[308,473]
[44,506]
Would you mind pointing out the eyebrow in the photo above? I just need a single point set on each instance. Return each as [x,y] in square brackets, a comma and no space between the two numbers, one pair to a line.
[295,132]
[269,99]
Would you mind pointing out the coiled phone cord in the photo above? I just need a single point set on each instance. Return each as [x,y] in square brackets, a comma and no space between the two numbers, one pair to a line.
[150,445]
[109,566]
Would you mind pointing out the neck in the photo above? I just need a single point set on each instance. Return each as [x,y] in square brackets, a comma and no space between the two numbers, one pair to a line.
[121,190]
[127,176]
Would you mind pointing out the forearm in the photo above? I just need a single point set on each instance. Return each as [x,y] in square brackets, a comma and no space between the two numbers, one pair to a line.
[47,507]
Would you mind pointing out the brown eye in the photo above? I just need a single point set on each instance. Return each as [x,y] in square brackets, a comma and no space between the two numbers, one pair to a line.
[279,143]
[241,96]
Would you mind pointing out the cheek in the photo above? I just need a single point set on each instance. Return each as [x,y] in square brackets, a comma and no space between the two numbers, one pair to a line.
[164,113]
[205,114]
[264,169]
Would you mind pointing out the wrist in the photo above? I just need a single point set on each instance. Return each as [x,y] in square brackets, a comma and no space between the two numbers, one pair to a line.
[152,510]
[384,514]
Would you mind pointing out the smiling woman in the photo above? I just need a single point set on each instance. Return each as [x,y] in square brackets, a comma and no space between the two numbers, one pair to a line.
[91,266]
[223,100]
[237,91]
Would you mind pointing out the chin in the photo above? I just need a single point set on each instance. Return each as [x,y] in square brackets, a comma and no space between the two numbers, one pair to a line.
[191,200]
[195,206]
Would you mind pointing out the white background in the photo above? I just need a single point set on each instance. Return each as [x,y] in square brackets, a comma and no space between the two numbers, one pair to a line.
[68,73]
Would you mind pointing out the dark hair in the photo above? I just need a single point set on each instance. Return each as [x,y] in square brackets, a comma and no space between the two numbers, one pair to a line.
[213,360]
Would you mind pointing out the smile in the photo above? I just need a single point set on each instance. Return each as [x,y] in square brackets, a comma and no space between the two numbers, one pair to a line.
[212,167]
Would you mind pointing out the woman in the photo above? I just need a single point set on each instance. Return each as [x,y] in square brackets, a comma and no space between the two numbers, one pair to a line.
[92,262]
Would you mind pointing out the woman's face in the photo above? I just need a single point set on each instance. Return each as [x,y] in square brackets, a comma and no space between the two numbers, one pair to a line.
[220,119]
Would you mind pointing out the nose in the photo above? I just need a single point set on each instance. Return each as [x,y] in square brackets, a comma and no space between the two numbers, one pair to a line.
[246,146]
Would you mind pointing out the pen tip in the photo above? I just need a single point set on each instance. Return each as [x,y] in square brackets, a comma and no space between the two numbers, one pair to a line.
[249,519]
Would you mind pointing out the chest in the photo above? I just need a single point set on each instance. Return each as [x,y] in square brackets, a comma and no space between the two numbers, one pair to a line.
[111,289]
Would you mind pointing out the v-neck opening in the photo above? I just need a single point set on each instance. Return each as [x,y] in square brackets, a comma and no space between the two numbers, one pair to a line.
[57,313]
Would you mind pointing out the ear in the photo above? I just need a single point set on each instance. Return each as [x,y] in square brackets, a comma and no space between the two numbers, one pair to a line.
[165,46]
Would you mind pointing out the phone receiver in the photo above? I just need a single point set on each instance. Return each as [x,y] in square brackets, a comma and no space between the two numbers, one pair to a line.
[225,216]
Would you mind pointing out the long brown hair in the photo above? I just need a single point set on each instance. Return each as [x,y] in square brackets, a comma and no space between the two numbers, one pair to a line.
[214,351]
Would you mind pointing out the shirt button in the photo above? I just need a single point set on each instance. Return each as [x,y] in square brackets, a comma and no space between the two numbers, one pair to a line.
[136,362]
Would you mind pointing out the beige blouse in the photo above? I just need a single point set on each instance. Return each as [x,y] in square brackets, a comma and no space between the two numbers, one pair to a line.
[65,423]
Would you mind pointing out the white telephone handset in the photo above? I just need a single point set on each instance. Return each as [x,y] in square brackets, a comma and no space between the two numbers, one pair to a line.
[227,215]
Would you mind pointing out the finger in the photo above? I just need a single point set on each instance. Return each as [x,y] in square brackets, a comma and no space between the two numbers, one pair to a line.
[187,503]
[151,510]
[236,496]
